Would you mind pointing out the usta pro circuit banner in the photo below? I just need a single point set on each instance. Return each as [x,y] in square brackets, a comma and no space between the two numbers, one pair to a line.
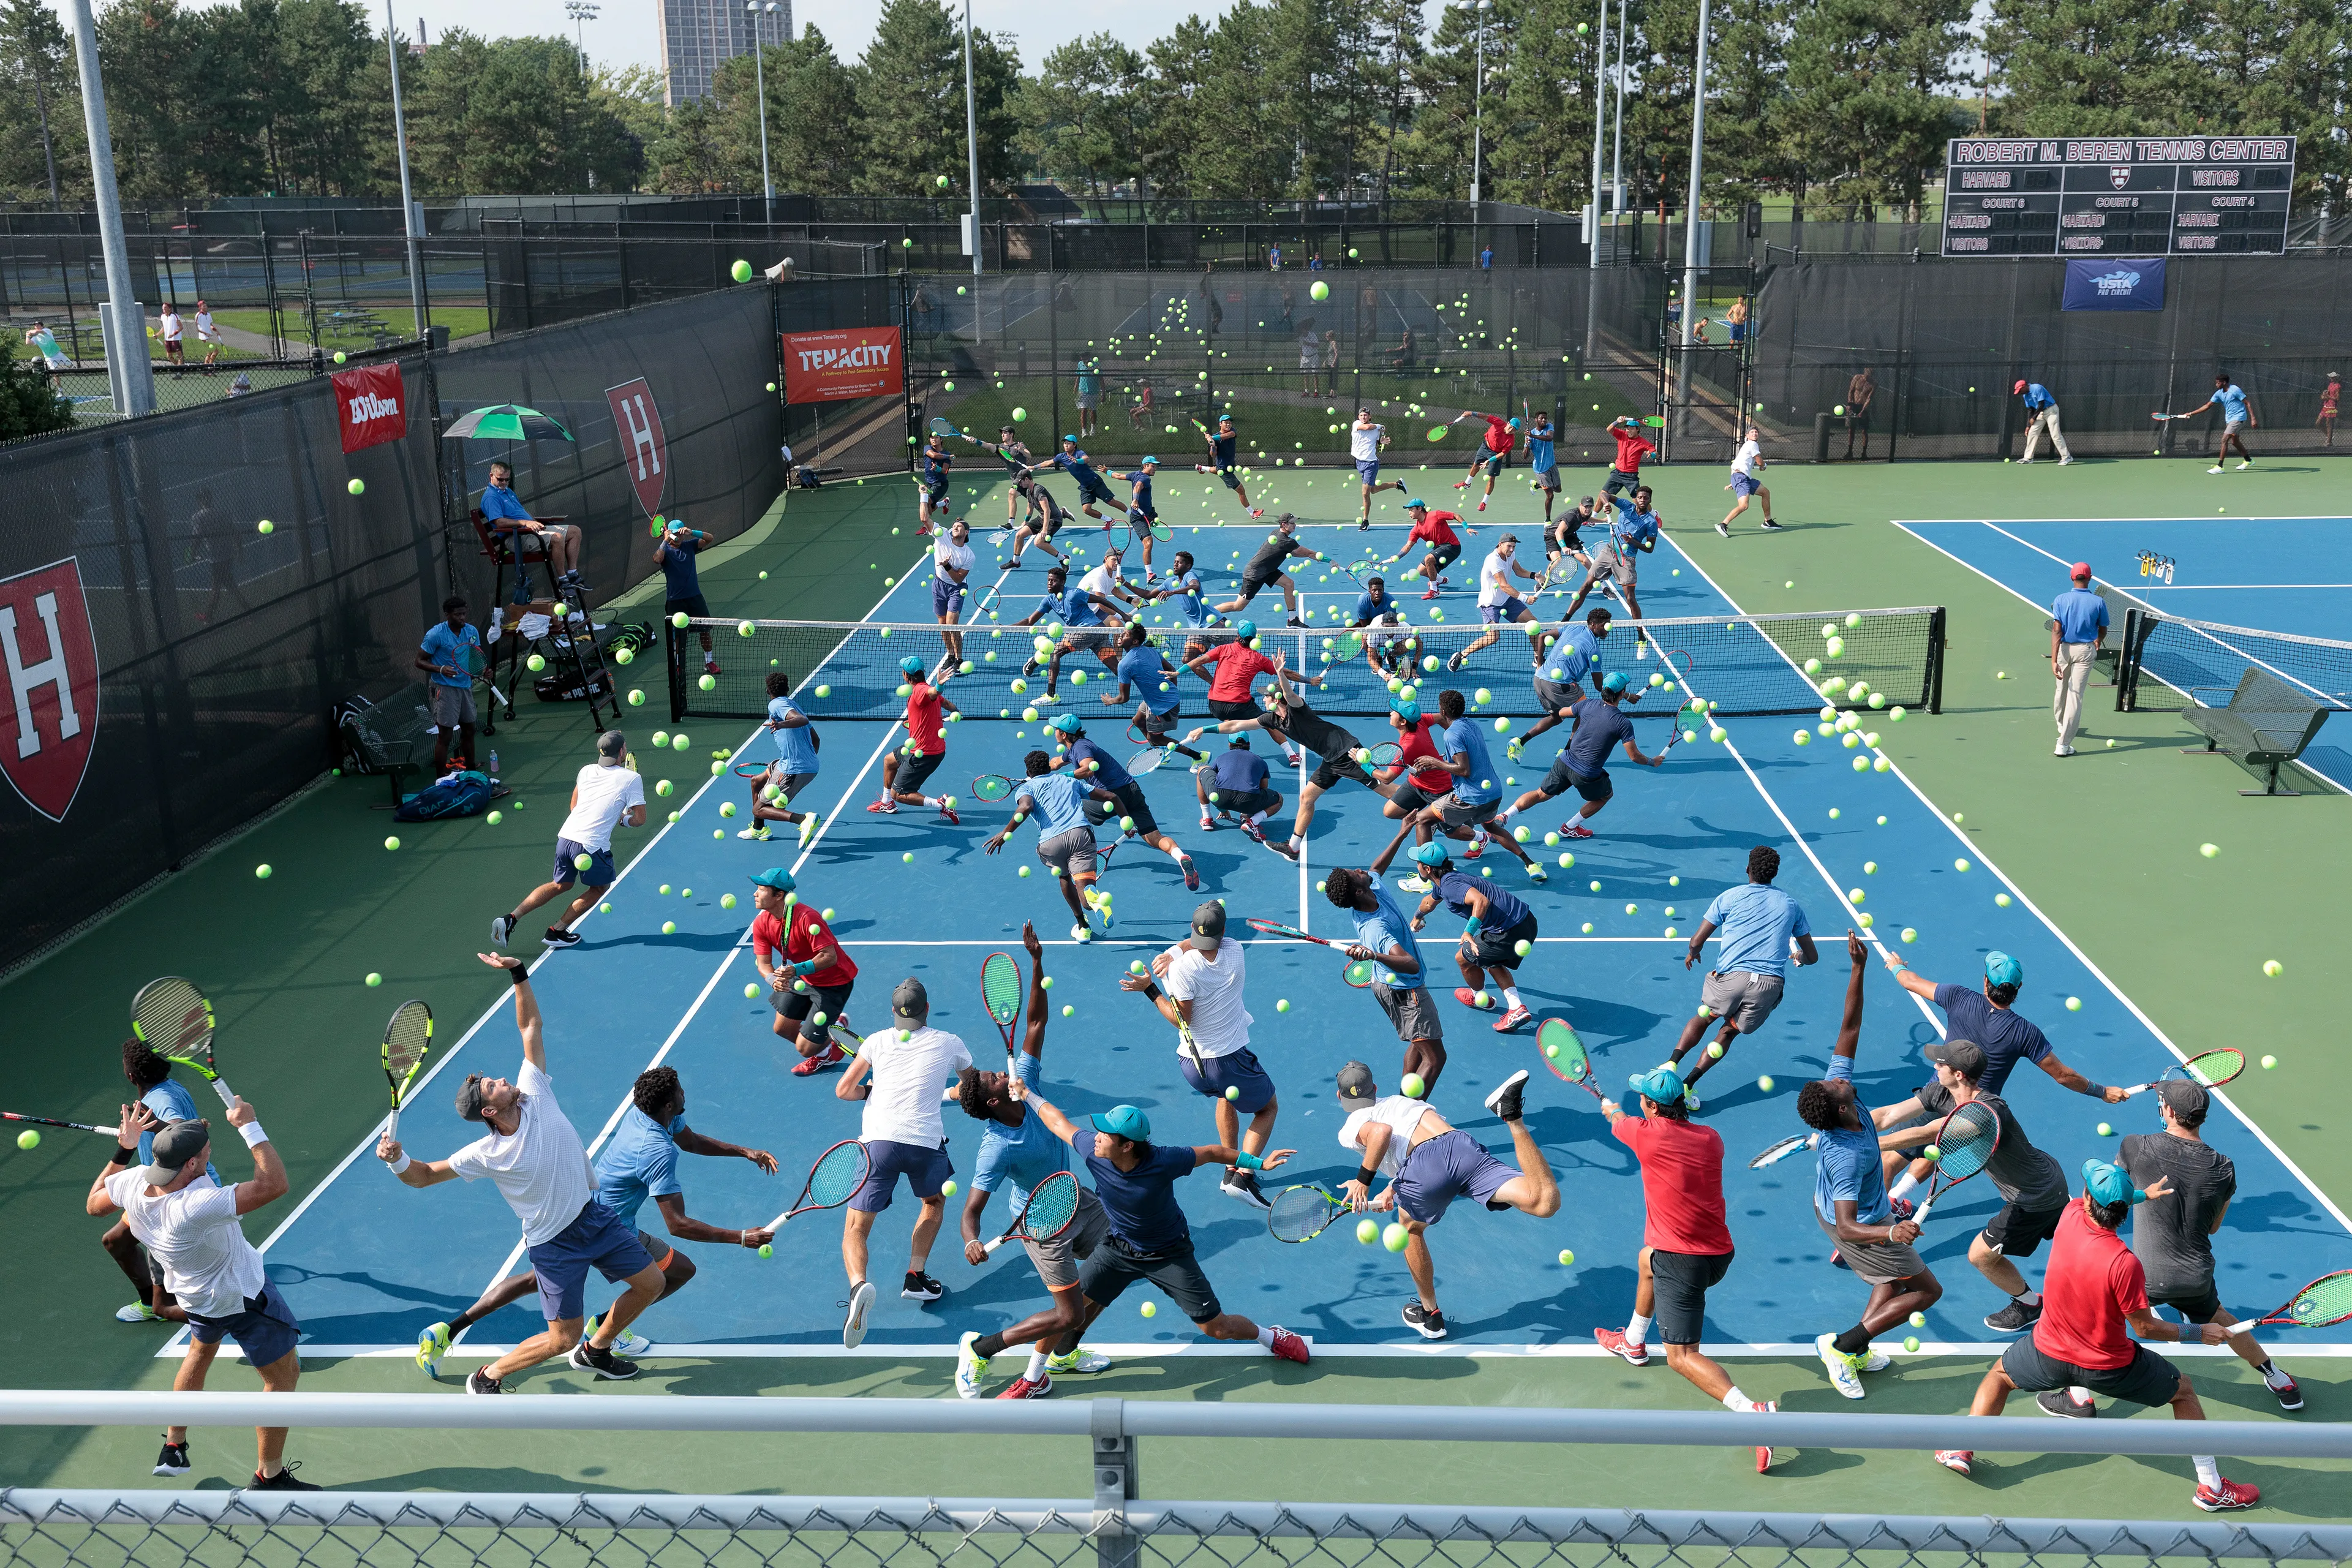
[852,362]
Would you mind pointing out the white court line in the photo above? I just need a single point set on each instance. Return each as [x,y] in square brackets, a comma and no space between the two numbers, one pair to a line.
[2019,893]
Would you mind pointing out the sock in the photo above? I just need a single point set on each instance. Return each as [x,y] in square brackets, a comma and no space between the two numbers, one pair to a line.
[1853,1342]
[988,1345]
[2273,1376]
[1036,1371]
[1637,1329]
[2209,1470]
[2029,1298]
[1266,1338]
[1905,1186]
[1256,817]
[1511,996]
[1734,1400]
[931,800]
[1298,841]
[1508,813]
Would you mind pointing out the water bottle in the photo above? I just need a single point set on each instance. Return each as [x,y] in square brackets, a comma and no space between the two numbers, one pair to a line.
[494,762]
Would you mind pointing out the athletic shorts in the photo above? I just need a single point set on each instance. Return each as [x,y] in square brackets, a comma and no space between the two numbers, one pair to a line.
[452,705]
[1508,611]
[1071,852]
[1154,723]
[599,873]
[1089,400]
[2019,1233]
[1230,478]
[799,1006]
[1441,1169]
[1245,803]
[1253,586]
[1547,478]
[1105,1276]
[2148,1379]
[1680,1281]
[1057,1258]
[1369,470]
[1410,796]
[1491,462]
[1595,788]
[1244,709]
[947,598]
[1140,521]
[2198,1306]
[2232,428]
[596,1239]
[1495,948]
[790,783]
[1454,812]
[935,490]
[1332,766]
[1745,485]
[1444,555]
[1094,492]
[1047,522]
[1212,1075]
[1410,1011]
[1553,695]
[1875,1262]
[694,604]
[265,1330]
[926,1170]
[1740,997]
[915,770]
[1132,805]
[1623,570]
[1619,480]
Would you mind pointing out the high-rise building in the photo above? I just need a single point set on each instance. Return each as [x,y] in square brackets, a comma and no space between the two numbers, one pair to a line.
[699,35]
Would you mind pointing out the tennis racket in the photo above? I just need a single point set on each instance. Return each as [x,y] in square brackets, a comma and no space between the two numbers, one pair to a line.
[1347,648]
[477,669]
[1203,429]
[52,1121]
[2326,1299]
[2163,417]
[1437,432]
[1564,1054]
[1147,761]
[751,770]
[1781,1150]
[992,786]
[1966,1141]
[1053,1205]
[1000,989]
[1654,421]
[939,426]
[175,1021]
[1302,1214]
[832,1182]
[1359,973]
[406,1039]
[1276,928]
[2210,1069]
[1385,754]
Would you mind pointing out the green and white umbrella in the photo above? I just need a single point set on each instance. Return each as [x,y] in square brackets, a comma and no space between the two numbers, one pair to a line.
[507,422]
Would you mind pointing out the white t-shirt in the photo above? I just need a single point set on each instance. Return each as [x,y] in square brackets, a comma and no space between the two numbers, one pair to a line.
[1496,569]
[542,1170]
[1221,1023]
[1400,1114]
[170,322]
[1751,459]
[947,553]
[1102,580]
[606,791]
[1364,442]
[907,1077]
[194,1236]
[204,328]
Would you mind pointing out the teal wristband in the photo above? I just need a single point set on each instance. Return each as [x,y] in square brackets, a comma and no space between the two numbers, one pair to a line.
[1249,1162]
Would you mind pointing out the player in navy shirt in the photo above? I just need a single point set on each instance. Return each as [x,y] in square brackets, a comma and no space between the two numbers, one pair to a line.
[1105,772]
[1498,932]
[1092,491]
[1140,513]
[1224,462]
[1572,660]
[2008,1037]
[938,464]
[1080,614]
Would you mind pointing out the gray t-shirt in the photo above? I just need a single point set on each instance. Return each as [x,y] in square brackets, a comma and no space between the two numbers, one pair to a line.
[2173,1236]
[2024,1174]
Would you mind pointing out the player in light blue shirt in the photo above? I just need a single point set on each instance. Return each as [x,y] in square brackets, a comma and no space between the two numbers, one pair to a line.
[1400,980]
[1760,924]
[1573,658]
[1181,591]
[444,655]
[1633,532]
[1066,842]
[2237,415]
[794,769]
[1543,462]
[1469,812]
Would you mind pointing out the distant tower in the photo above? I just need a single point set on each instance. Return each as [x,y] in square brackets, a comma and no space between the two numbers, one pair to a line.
[699,35]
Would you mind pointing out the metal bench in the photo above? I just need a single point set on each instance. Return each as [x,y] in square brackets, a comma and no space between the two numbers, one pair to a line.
[386,735]
[2265,725]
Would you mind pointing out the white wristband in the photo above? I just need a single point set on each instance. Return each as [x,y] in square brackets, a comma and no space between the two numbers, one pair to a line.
[254,1136]
[405,1162]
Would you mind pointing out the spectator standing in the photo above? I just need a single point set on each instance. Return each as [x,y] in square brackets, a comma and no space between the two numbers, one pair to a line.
[2078,622]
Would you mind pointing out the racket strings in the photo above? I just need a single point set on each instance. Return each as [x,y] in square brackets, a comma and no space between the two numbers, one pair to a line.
[1967,1143]
[173,1017]
[1053,1203]
[838,1175]
[2323,1301]
[1298,1213]
[405,1042]
[1561,1048]
[2213,1068]
[992,786]
[1000,987]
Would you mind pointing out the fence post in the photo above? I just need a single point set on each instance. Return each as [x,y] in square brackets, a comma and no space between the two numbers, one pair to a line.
[1115,1465]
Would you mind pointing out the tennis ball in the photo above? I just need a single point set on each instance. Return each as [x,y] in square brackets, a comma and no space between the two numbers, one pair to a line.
[1588,928]
[1502,726]
[2271,966]
[1521,947]
[741,271]
[1152,1309]
[1019,415]
[908,858]
[2269,1061]
[1068,1009]
[1911,1342]
[1931,1153]
[265,526]
[1282,1004]
[2106,1129]
[1840,409]
[30,1138]
[357,487]
[375,979]
[1715,1050]
[1960,865]
[669,928]
[2001,899]
[2073,1003]
[1765,1083]
[495,817]
[2209,850]
[1567,1259]
[766,1250]
[583,862]
[1394,1236]
[1025,870]
[392,844]
[1368,1231]
[1411,1087]
[825,692]
[1910,934]
[1918,1319]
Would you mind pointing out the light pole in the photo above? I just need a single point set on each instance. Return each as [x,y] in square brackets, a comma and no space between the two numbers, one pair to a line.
[971,148]
[582,13]
[759,71]
[1478,113]
[412,217]
[130,374]
[1690,215]
[1592,227]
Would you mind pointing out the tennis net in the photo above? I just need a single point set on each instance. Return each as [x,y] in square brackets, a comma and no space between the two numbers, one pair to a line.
[1741,665]
[2169,662]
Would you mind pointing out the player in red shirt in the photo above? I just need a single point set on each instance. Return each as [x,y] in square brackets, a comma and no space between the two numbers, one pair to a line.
[910,765]
[1232,669]
[1686,1245]
[1632,447]
[1430,528]
[2094,1290]
[1493,454]
[1426,778]
[813,978]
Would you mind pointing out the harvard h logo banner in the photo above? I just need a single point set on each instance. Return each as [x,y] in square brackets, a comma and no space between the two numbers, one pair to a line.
[371,405]
[48,713]
[645,450]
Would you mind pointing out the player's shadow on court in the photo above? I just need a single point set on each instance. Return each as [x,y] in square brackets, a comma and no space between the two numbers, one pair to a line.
[681,942]
[2282,1211]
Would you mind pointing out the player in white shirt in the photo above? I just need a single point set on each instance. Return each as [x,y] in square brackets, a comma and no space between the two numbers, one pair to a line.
[952,563]
[533,1155]
[1113,600]
[1366,442]
[1747,480]
[606,792]
[1500,603]
[1429,1164]
[1204,975]
[189,1224]
[169,324]
[898,1072]
[207,333]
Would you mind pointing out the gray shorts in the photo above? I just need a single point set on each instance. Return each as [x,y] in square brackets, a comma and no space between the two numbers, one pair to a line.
[1441,1169]
[1456,813]
[1608,563]
[1740,997]
[1071,852]
[1057,1260]
[2233,427]
[452,705]
[1411,1011]
[1875,1262]
[791,783]
[1553,695]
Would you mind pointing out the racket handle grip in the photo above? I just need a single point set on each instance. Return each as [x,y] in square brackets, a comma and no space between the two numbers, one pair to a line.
[991,1246]
[1919,1218]
[2243,1326]
[778,1223]
[2139,1089]
[392,1125]
[227,1095]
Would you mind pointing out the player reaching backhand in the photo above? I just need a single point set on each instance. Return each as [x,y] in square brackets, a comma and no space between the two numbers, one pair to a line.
[1493,454]
[2237,415]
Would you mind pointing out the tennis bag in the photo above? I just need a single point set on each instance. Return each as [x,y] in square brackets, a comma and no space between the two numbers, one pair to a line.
[466,793]
[565,686]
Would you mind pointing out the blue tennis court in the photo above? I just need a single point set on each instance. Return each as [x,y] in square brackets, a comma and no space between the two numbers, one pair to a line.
[366,1262]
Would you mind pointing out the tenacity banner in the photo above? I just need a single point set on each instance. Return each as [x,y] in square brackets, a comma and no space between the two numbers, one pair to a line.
[850,362]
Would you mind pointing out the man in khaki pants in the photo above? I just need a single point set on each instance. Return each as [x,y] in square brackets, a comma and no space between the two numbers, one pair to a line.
[2041,419]
[2078,620]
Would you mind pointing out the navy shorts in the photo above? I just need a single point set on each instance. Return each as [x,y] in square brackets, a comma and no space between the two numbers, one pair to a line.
[1095,492]
[2148,1379]
[265,1330]
[1508,612]
[1111,1267]
[1231,480]
[1744,485]
[799,1006]
[915,771]
[1444,555]
[1492,461]
[694,604]
[1680,1281]
[1595,787]
[935,489]
[1369,470]
[1449,1166]
[947,598]
[1619,480]
[567,864]
[596,1236]
[926,1170]
[1212,1076]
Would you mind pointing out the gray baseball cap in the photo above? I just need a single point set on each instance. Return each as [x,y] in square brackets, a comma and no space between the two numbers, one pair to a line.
[911,1001]
[1357,1088]
[2186,1100]
[1963,1057]
[173,1147]
[1208,926]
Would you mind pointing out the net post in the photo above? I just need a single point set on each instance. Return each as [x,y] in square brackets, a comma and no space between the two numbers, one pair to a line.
[670,669]
[1116,1481]
[1936,661]
[2128,661]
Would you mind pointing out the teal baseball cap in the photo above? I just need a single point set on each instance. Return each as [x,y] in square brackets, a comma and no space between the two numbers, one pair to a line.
[1246,630]
[2108,1183]
[1406,709]
[1123,1122]
[1663,1084]
[911,664]
[1615,682]
[1416,502]
[775,877]
[1068,723]
[1151,462]
[2002,970]
[1429,854]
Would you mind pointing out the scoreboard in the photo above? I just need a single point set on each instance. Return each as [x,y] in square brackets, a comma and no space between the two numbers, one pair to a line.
[2141,196]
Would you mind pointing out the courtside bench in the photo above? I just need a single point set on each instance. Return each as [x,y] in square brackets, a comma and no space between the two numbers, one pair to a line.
[2265,725]
[385,734]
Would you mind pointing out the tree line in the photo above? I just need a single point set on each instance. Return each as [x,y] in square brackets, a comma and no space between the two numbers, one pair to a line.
[1838,106]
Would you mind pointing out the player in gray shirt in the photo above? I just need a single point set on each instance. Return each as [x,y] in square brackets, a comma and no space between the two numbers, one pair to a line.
[2169,1234]
[2031,1185]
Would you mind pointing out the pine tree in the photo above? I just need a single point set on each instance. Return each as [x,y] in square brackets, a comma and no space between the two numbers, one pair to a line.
[1081,114]
[1870,100]
[42,149]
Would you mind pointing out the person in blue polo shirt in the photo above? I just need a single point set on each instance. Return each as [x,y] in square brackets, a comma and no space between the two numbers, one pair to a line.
[2008,1036]
[1400,977]
[2078,620]
[1065,840]
[2040,418]
[2237,416]
[504,513]
[1760,925]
